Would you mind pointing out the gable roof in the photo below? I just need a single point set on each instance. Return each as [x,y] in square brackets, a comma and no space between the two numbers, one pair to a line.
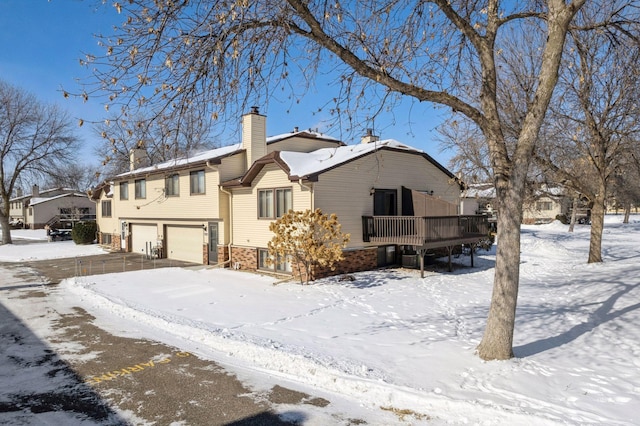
[43,193]
[213,156]
[307,134]
[308,166]
[40,200]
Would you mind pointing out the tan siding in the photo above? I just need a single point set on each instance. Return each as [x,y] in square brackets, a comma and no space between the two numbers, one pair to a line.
[298,144]
[248,230]
[346,190]
[184,206]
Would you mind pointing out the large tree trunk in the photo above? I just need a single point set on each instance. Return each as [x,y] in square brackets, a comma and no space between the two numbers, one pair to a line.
[597,225]
[6,229]
[497,341]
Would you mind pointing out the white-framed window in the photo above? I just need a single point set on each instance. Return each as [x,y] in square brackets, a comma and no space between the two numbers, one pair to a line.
[196,179]
[124,190]
[140,188]
[105,208]
[172,185]
[282,265]
[274,203]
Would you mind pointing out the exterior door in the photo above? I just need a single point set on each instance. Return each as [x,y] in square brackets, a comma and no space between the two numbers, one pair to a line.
[213,243]
[123,235]
[385,202]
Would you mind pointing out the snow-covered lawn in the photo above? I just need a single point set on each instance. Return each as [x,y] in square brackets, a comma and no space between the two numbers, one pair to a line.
[390,339]
[32,250]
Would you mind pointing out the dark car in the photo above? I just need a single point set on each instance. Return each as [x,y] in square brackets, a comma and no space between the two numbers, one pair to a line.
[60,234]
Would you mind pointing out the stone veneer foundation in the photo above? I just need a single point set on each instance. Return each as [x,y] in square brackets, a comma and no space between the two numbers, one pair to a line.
[366,259]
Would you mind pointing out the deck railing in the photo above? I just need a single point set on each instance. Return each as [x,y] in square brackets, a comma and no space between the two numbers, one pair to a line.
[418,231]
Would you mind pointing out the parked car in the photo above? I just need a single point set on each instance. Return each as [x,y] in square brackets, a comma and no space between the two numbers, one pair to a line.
[60,234]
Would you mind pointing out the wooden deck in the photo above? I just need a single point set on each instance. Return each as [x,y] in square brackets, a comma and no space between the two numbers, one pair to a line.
[424,232]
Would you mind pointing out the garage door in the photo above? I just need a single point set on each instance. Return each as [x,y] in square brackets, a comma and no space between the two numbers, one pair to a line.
[185,243]
[142,237]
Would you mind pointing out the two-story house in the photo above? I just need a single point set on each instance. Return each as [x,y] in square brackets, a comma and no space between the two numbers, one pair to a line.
[217,206]
[60,207]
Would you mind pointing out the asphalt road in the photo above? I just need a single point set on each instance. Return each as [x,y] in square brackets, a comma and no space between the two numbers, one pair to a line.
[158,384]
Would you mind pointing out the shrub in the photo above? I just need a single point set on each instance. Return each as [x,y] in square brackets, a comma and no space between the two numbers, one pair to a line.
[309,238]
[563,219]
[84,232]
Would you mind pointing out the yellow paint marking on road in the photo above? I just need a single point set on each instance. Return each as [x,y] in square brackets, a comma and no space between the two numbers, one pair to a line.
[126,371]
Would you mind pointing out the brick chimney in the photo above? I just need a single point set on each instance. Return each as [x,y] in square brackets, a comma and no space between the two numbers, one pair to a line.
[369,137]
[254,135]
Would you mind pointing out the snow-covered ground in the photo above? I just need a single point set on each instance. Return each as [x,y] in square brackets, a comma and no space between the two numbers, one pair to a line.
[393,341]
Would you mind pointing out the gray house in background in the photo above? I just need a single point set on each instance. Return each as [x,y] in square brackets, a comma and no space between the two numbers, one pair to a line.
[57,207]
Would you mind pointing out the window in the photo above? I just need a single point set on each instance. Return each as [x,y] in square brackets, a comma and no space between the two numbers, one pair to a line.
[282,266]
[172,185]
[105,239]
[543,205]
[106,208]
[274,203]
[124,190]
[197,182]
[141,188]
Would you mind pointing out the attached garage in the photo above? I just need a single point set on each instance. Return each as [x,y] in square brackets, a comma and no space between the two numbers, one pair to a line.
[184,243]
[143,237]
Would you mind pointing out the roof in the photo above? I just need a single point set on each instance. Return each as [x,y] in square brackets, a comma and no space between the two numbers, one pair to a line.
[41,200]
[214,155]
[480,190]
[307,134]
[307,166]
[44,192]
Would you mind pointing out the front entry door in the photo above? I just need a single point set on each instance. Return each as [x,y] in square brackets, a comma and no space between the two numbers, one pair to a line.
[123,235]
[213,243]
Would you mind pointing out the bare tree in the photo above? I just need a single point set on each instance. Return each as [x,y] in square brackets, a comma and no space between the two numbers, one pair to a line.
[159,136]
[34,138]
[217,56]
[595,116]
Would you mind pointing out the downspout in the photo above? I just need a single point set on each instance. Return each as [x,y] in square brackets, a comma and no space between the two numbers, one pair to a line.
[230,194]
[310,188]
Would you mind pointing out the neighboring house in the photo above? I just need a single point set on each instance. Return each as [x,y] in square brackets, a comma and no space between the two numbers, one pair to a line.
[59,207]
[217,206]
[545,205]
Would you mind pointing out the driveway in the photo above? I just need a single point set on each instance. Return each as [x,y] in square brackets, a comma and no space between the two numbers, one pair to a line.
[108,378]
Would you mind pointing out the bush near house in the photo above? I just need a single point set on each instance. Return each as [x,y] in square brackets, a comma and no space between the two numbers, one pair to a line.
[84,232]
[310,238]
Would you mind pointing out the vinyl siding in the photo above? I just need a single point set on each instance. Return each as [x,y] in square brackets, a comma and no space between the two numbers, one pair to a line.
[250,231]
[346,190]
[157,205]
[298,144]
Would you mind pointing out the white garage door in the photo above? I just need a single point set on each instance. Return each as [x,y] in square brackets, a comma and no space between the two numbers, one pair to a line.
[185,243]
[143,237]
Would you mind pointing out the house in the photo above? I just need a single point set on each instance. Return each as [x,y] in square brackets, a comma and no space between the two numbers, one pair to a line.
[216,207]
[59,207]
[546,204]
[178,209]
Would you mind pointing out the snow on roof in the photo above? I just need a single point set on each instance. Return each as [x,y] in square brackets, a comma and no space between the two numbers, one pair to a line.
[203,156]
[305,133]
[481,191]
[305,164]
[40,200]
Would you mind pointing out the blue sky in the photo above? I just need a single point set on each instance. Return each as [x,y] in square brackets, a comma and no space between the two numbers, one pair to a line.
[42,41]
